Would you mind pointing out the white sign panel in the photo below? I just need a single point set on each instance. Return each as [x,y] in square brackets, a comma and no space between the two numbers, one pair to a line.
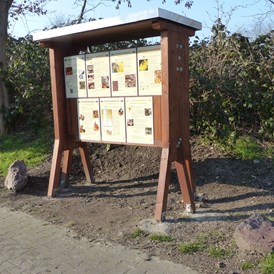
[149,70]
[139,120]
[123,72]
[89,119]
[75,76]
[113,119]
[98,74]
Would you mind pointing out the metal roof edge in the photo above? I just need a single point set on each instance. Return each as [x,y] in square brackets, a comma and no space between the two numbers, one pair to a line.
[116,21]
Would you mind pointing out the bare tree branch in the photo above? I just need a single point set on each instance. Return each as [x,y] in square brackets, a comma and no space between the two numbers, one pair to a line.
[81,15]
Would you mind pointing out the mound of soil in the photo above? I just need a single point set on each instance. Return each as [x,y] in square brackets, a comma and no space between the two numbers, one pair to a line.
[124,194]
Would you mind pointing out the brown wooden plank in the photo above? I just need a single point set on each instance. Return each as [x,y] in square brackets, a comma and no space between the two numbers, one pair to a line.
[185,186]
[86,162]
[157,118]
[72,118]
[179,112]
[186,113]
[59,116]
[54,177]
[58,93]
[185,100]
[165,89]
[174,91]
[67,161]
[163,185]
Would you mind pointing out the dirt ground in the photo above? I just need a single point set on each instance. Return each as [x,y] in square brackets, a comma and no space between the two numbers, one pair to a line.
[124,194]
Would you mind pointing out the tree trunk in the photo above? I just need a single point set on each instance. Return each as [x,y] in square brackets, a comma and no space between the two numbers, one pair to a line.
[4,12]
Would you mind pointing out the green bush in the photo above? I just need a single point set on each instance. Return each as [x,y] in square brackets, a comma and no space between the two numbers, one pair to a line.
[28,83]
[231,85]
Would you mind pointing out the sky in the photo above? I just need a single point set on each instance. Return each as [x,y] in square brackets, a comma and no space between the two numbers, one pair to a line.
[238,18]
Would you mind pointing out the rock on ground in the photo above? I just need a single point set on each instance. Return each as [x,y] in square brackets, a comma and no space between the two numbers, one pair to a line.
[154,227]
[17,176]
[255,234]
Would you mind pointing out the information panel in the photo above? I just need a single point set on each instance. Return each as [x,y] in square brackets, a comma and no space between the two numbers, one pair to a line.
[75,76]
[89,119]
[98,74]
[123,72]
[149,70]
[113,119]
[139,120]
[115,92]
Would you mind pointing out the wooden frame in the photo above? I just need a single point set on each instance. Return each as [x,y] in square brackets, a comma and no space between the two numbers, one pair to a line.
[171,117]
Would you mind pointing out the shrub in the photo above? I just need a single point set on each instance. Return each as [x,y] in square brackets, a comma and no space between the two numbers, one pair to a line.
[231,85]
[28,84]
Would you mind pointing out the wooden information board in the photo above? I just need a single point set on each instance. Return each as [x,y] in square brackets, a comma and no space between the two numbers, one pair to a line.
[114,92]
[129,96]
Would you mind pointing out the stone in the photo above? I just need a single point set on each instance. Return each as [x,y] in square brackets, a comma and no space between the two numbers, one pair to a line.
[17,176]
[255,234]
[154,227]
[256,162]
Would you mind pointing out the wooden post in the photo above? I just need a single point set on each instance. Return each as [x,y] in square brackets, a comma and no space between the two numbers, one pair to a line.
[67,161]
[185,186]
[59,117]
[55,167]
[86,163]
[175,118]
[163,185]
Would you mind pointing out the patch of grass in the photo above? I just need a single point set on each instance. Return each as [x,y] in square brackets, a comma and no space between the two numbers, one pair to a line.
[160,238]
[207,242]
[137,233]
[197,245]
[33,149]
[247,265]
[218,252]
[246,148]
[270,218]
[267,264]
[191,247]
[243,147]
[269,151]
[36,211]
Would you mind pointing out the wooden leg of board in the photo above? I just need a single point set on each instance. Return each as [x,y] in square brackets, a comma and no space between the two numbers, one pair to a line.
[67,161]
[185,185]
[163,185]
[86,163]
[190,175]
[55,168]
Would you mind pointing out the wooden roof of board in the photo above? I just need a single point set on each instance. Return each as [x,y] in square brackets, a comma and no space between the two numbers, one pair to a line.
[130,26]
